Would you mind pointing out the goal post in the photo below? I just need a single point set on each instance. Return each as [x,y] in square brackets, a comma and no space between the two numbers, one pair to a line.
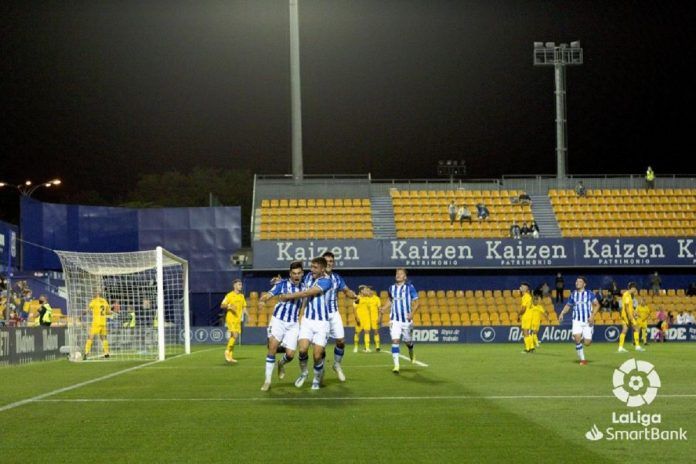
[127,306]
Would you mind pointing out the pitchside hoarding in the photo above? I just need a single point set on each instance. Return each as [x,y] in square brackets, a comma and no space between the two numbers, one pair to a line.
[454,334]
[19,345]
[482,253]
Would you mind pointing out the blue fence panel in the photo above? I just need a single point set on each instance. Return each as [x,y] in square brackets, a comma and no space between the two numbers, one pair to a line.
[8,246]
[206,237]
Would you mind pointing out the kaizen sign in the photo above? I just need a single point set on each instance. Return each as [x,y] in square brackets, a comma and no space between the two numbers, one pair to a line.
[482,253]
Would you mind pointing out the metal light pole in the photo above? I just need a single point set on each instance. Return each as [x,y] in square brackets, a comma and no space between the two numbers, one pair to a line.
[559,56]
[295,92]
[28,188]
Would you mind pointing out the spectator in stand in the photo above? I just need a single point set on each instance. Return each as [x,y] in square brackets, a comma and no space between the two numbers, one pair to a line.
[464,215]
[616,305]
[662,326]
[606,301]
[525,199]
[15,320]
[535,229]
[525,230]
[45,312]
[614,288]
[650,178]
[560,285]
[482,212]
[23,313]
[681,318]
[580,189]
[23,291]
[545,290]
[452,211]
[514,230]
[691,289]
[655,282]
[689,319]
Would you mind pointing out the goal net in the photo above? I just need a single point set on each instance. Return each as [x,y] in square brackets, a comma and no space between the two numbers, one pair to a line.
[126,306]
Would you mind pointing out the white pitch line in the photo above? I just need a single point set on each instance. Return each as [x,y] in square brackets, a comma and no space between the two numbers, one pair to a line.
[259,367]
[82,384]
[406,358]
[339,398]
[417,362]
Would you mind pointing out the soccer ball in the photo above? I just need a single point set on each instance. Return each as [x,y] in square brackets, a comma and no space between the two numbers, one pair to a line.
[77,356]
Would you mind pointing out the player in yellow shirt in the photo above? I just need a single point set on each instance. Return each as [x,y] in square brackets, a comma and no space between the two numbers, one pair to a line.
[628,318]
[234,305]
[100,310]
[366,309]
[537,310]
[644,313]
[526,317]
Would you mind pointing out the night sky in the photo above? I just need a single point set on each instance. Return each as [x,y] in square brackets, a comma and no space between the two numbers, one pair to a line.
[99,92]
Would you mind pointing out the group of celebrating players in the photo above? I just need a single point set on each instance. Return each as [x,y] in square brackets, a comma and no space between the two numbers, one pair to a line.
[315,296]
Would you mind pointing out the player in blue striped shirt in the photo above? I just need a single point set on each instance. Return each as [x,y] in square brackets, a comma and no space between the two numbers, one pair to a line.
[284,327]
[403,301]
[336,330]
[315,323]
[585,305]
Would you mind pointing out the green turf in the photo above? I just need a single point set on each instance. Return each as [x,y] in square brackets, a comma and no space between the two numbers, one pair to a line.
[467,405]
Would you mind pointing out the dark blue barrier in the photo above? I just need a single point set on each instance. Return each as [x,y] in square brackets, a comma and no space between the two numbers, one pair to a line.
[206,237]
[482,253]
[8,245]
[456,334]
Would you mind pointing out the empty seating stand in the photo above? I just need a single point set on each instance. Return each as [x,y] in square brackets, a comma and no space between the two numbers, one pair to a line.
[315,218]
[626,212]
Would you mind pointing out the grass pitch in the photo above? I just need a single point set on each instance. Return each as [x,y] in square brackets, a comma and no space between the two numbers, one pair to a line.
[467,403]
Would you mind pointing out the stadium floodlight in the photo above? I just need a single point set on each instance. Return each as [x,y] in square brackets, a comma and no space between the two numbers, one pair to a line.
[148,294]
[559,56]
[27,188]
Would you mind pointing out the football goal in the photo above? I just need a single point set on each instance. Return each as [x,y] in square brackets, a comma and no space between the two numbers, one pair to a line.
[126,306]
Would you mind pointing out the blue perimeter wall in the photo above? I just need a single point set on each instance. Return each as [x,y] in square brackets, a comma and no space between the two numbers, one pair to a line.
[8,246]
[206,237]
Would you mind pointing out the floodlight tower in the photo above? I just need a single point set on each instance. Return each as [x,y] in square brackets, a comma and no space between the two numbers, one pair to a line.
[559,56]
[295,94]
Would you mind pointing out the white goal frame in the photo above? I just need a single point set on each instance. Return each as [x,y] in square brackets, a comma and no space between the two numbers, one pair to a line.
[105,265]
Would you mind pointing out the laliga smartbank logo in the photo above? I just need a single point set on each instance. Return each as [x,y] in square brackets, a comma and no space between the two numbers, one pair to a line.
[635,384]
